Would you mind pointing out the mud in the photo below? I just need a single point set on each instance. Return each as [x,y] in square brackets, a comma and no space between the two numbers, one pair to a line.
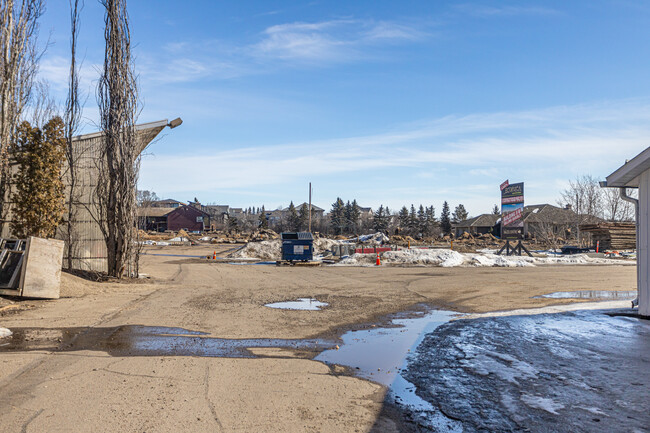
[591,294]
[135,340]
[306,304]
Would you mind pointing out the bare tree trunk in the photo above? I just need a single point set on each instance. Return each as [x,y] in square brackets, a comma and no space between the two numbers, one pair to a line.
[19,59]
[72,120]
[119,167]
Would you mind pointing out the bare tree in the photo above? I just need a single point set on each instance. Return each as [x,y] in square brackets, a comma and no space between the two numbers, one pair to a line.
[120,163]
[72,122]
[19,57]
[617,209]
[585,198]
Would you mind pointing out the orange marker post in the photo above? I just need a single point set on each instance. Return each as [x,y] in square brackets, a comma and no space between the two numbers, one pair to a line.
[214,255]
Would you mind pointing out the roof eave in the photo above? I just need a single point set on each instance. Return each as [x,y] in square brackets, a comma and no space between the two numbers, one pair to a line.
[628,174]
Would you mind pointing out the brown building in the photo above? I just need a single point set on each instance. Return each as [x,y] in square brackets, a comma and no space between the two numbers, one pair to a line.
[188,218]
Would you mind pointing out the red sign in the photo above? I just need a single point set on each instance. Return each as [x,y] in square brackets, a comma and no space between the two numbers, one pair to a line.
[516,199]
[504,185]
[513,216]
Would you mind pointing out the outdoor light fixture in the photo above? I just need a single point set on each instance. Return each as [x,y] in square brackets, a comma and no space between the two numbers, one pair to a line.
[174,123]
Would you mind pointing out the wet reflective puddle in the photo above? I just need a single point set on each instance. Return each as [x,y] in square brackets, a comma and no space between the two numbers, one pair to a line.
[309,304]
[592,294]
[136,340]
[379,354]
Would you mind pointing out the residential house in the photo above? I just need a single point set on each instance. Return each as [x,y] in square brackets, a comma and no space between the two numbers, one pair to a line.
[188,218]
[161,219]
[169,203]
[540,221]
[486,223]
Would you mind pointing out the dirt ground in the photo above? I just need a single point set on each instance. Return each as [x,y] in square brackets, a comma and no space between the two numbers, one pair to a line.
[53,383]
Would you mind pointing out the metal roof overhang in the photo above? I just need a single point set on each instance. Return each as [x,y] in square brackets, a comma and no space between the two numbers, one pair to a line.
[146,131]
[628,174]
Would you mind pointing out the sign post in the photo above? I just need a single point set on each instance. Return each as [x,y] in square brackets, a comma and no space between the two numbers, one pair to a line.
[512,217]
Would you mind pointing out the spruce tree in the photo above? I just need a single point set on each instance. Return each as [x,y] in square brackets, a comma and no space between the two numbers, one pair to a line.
[413,221]
[445,222]
[303,217]
[354,217]
[337,216]
[293,219]
[380,220]
[460,214]
[422,221]
[263,220]
[403,219]
[496,210]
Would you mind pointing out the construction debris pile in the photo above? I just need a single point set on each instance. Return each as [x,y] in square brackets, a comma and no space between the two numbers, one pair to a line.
[612,235]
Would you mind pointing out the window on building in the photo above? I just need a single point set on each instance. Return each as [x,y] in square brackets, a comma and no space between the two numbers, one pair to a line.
[199,219]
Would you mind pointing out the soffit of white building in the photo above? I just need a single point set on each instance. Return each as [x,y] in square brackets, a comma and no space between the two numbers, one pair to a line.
[628,174]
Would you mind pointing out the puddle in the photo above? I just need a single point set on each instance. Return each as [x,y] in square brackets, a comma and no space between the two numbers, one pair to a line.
[135,340]
[176,255]
[301,304]
[379,354]
[592,294]
[254,263]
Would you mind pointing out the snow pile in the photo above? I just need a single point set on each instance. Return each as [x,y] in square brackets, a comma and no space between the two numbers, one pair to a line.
[179,239]
[487,260]
[582,259]
[324,244]
[4,332]
[449,258]
[265,250]
[444,258]
[160,243]
[373,239]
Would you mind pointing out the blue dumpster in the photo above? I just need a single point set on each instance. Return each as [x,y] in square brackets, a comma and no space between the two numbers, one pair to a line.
[297,246]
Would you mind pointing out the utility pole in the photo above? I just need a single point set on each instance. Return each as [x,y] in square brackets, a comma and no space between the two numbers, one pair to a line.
[309,207]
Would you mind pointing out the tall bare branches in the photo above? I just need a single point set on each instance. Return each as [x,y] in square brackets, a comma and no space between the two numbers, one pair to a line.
[119,166]
[72,121]
[19,57]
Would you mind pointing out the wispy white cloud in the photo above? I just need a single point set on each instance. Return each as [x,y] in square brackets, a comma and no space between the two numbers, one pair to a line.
[541,145]
[481,10]
[334,40]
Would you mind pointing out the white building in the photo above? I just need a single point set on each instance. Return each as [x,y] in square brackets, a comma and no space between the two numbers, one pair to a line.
[636,174]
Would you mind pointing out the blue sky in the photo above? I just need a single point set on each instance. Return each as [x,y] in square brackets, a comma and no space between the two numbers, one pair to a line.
[387,102]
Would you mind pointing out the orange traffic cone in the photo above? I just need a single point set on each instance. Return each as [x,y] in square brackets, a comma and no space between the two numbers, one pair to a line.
[378,260]
[214,256]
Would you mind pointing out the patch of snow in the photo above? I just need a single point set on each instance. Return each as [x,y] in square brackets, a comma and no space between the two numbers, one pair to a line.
[486,362]
[492,260]
[4,333]
[543,403]
[373,239]
[265,250]
[593,410]
[206,239]
[449,258]
[357,260]
[444,258]
[179,239]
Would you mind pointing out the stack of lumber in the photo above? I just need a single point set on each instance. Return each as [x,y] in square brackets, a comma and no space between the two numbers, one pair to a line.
[612,236]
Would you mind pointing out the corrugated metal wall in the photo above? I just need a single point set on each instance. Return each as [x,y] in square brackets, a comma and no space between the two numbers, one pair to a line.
[89,250]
